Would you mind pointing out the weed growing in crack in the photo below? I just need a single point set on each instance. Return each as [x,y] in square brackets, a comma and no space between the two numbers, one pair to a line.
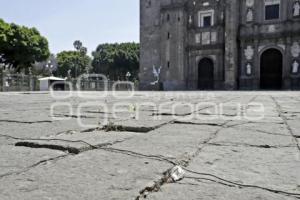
[112,127]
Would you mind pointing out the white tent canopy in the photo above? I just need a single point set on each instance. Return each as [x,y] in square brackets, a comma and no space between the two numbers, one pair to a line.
[46,82]
[52,78]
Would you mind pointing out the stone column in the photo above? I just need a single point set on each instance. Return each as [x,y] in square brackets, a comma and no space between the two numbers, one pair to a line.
[231,45]
[287,65]
[256,66]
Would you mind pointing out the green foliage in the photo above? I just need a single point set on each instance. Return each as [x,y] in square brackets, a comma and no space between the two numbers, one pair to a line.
[115,60]
[74,61]
[21,47]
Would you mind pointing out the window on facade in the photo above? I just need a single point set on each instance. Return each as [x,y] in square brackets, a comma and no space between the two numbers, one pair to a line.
[272,9]
[206,18]
[168,17]
[206,21]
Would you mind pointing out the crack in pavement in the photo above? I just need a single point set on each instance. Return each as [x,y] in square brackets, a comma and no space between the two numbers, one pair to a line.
[25,122]
[185,162]
[284,119]
[68,149]
[139,155]
[223,181]
[41,139]
[188,113]
[73,116]
[103,146]
[171,114]
[233,144]
[297,195]
[198,123]
[164,179]
[72,150]
[134,129]
[98,128]
[205,179]
[203,144]
[262,131]
[33,166]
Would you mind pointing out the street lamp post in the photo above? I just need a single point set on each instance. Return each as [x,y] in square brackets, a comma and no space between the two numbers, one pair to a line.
[128,75]
[49,66]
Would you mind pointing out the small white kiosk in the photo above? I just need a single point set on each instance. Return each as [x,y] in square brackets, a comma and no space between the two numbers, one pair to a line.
[54,82]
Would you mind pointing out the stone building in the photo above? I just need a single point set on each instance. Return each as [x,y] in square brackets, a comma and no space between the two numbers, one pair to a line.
[220,44]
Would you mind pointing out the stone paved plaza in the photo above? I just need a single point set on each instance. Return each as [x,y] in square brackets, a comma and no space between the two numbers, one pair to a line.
[230,145]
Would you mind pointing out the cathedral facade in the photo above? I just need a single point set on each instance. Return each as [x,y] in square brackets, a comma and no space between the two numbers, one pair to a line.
[220,44]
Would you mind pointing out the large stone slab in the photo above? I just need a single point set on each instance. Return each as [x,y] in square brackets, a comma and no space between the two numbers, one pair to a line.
[206,190]
[77,142]
[276,128]
[41,129]
[118,160]
[295,127]
[175,141]
[246,137]
[275,168]
[91,175]
[14,159]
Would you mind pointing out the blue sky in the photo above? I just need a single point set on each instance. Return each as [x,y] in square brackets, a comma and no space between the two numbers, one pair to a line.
[64,21]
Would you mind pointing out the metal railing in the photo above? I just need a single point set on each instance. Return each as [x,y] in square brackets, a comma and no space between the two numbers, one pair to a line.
[23,83]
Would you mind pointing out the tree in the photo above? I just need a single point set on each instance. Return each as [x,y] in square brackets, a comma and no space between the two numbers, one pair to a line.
[115,60]
[77,61]
[74,61]
[21,47]
[77,45]
[83,50]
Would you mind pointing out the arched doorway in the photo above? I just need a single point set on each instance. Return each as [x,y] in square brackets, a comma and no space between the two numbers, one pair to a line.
[271,70]
[206,74]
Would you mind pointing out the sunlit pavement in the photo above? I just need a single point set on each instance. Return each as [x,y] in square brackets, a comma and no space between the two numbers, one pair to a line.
[230,145]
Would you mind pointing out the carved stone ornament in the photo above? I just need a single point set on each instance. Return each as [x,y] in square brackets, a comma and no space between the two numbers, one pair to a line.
[250,3]
[249,52]
[249,15]
[248,69]
[260,48]
[271,28]
[296,9]
[205,38]
[282,46]
[190,19]
[295,49]
[295,67]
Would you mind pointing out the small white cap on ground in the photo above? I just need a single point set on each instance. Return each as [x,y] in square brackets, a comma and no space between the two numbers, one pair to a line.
[177,173]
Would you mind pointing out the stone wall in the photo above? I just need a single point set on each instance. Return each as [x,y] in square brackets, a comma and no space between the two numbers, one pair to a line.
[172,38]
